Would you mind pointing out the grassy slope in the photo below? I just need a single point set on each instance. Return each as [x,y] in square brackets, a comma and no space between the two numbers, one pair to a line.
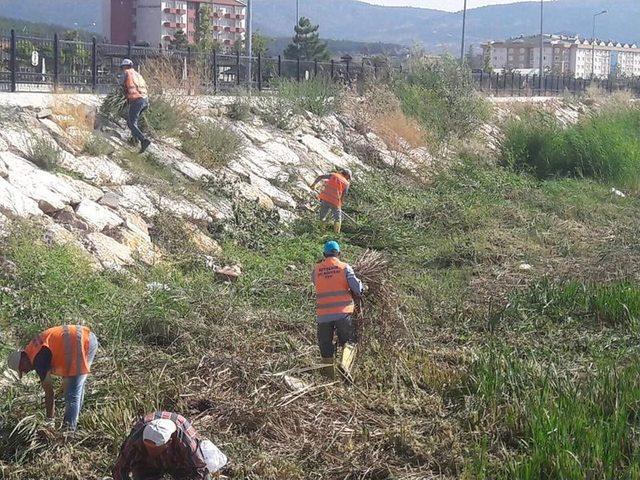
[499,373]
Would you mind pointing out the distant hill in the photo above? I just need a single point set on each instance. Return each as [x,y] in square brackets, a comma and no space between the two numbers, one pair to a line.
[358,21]
[276,46]
[34,28]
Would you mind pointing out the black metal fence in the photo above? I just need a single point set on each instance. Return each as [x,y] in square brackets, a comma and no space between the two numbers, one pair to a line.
[517,85]
[29,63]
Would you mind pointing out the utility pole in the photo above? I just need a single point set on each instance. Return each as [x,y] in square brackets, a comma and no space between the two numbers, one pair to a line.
[593,42]
[250,43]
[541,45]
[297,23]
[464,24]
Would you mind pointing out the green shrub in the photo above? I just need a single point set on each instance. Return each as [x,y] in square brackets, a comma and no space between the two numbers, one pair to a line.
[211,145]
[441,96]
[317,95]
[165,114]
[43,152]
[97,145]
[605,147]
[278,111]
[240,109]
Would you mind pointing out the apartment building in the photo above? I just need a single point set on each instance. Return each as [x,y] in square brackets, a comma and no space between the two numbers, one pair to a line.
[564,55]
[156,22]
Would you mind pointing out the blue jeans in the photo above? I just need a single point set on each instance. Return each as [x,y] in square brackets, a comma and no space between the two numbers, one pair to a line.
[74,389]
[136,107]
[325,208]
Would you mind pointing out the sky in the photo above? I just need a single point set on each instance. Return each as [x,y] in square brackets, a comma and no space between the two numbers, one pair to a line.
[450,5]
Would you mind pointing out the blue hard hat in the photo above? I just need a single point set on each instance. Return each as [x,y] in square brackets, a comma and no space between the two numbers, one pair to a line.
[331,247]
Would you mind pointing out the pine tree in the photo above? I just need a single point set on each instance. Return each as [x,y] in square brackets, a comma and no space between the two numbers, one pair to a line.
[306,43]
[180,40]
[204,29]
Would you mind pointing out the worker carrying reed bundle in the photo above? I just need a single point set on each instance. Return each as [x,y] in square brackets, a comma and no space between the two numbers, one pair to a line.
[337,292]
[336,186]
[165,443]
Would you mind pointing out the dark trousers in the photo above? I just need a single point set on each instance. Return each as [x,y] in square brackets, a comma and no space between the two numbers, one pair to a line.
[343,328]
[136,107]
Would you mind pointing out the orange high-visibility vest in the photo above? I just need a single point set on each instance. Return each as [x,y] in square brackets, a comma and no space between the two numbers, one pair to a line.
[69,345]
[334,189]
[134,85]
[333,295]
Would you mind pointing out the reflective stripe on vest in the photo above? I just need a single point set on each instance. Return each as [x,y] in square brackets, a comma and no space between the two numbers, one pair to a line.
[134,84]
[334,189]
[333,295]
[69,345]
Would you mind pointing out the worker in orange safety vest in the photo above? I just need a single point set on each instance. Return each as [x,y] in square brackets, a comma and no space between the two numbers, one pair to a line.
[336,186]
[337,291]
[135,90]
[66,351]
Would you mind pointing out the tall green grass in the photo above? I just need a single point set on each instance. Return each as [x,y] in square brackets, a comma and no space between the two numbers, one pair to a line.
[316,95]
[605,147]
[564,425]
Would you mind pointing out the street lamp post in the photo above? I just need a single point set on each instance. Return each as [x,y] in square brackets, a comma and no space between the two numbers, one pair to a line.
[249,43]
[464,25]
[593,42]
[541,64]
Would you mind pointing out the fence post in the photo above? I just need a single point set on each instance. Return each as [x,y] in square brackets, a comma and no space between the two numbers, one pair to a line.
[298,68]
[12,60]
[348,73]
[129,49]
[238,68]
[259,71]
[94,64]
[215,72]
[333,66]
[315,68]
[56,62]
[279,66]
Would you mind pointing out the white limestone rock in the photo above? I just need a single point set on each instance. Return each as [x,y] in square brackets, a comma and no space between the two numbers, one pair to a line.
[97,216]
[14,203]
[280,197]
[109,252]
[177,160]
[134,197]
[280,153]
[98,170]
[325,151]
[50,191]
[86,190]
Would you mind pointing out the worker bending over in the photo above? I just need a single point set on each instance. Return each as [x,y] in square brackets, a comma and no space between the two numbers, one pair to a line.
[66,351]
[337,290]
[336,186]
[165,443]
[135,90]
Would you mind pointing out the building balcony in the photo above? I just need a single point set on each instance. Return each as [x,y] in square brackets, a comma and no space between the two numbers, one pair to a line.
[176,11]
[174,25]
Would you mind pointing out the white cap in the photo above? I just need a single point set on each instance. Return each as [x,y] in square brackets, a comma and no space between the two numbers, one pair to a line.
[159,431]
[127,62]
[213,457]
[13,361]
[348,172]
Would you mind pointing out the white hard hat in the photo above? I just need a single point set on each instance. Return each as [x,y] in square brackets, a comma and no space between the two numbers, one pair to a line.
[127,62]
[13,361]
[213,457]
[159,431]
[348,172]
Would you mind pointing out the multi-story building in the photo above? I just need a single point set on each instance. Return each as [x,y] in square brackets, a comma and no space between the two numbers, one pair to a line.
[563,55]
[157,21]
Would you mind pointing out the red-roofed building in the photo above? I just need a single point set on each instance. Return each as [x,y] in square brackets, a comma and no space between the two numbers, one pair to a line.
[156,21]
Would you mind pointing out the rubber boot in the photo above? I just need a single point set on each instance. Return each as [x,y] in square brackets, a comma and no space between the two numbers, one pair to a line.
[336,227]
[348,357]
[329,370]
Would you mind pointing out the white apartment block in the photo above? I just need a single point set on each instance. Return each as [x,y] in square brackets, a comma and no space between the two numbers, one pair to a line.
[562,55]
[156,22]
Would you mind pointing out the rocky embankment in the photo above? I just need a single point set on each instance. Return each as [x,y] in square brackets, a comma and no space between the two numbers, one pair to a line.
[106,208]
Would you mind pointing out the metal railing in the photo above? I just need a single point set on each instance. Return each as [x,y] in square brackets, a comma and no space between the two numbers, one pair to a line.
[517,85]
[29,63]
